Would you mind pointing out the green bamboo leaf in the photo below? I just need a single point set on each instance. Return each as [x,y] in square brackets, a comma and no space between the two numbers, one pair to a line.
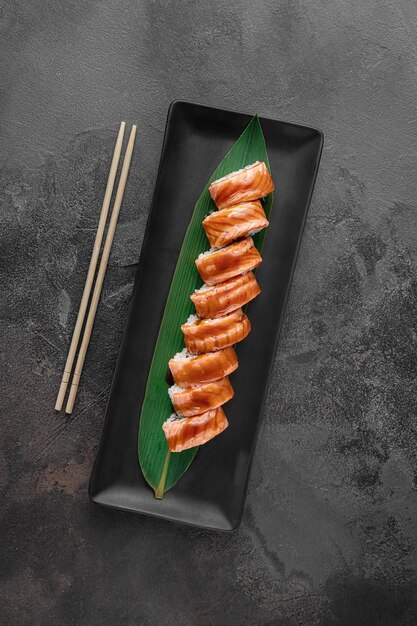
[160,468]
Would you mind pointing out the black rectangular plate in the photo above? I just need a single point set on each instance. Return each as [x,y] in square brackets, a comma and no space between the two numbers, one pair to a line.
[211,493]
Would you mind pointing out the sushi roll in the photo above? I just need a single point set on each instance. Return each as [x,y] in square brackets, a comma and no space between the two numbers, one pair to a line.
[210,335]
[250,183]
[216,266]
[188,369]
[188,432]
[223,227]
[196,400]
[225,297]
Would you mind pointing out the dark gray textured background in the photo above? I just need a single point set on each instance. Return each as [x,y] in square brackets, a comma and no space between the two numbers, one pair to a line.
[329,530]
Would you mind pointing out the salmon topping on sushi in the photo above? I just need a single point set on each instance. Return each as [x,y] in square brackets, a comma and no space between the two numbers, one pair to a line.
[188,369]
[225,297]
[220,265]
[250,183]
[201,370]
[189,432]
[223,227]
[196,400]
[210,335]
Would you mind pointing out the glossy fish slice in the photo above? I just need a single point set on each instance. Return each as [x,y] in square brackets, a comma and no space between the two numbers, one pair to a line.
[225,297]
[223,227]
[188,369]
[189,432]
[196,400]
[210,335]
[220,265]
[250,183]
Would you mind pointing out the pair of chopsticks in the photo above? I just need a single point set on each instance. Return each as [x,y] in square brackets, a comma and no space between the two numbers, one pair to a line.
[92,270]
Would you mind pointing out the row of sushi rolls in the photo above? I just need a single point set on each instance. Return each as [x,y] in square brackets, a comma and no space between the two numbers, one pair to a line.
[201,370]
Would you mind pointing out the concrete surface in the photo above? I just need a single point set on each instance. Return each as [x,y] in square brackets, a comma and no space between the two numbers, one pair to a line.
[329,531]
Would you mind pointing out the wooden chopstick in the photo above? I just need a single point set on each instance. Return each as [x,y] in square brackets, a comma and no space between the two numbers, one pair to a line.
[101,273]
[91,269]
